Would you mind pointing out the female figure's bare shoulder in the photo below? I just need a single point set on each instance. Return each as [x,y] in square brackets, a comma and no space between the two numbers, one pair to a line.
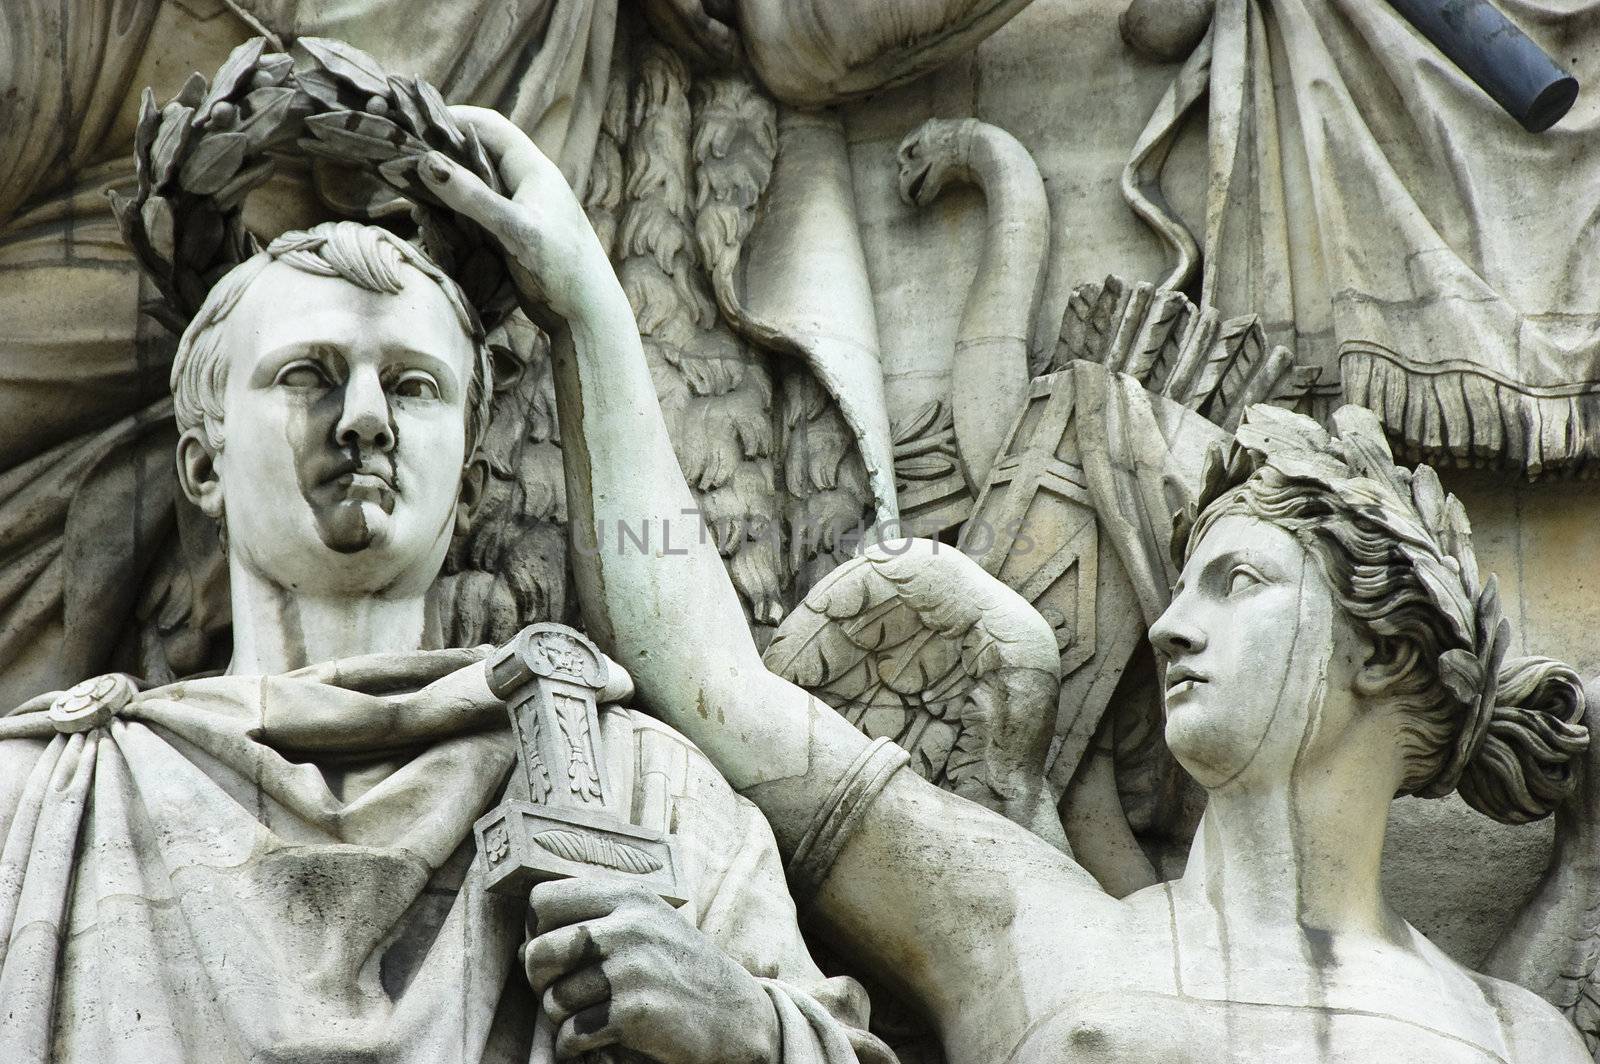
[1535,1030]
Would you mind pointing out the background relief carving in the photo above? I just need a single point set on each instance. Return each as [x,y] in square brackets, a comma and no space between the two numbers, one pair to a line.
[969,429]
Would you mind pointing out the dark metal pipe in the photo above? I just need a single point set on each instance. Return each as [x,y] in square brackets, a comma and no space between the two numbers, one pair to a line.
[1489,48]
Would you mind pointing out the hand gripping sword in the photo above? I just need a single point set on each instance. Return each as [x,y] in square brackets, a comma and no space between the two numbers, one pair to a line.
[553,681]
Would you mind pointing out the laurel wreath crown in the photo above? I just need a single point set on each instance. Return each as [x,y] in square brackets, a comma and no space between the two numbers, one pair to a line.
[199,156]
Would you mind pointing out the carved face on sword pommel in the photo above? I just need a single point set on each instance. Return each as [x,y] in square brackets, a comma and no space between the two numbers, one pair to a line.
[335,393]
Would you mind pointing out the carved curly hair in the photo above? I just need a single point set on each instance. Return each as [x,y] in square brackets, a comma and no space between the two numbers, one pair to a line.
[1397,550]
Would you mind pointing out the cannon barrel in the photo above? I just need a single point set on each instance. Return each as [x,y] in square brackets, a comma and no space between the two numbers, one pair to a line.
[1491,50]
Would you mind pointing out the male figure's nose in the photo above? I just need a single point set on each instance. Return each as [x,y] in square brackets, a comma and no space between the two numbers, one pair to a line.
[364,421]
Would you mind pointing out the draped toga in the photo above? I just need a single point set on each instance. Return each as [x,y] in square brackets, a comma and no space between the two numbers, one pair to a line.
[187,883]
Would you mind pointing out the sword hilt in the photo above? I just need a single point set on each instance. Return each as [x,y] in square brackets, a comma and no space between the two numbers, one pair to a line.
[553,681]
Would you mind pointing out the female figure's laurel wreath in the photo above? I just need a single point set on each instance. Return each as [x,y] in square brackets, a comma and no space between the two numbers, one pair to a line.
[1429,530]
[201,155]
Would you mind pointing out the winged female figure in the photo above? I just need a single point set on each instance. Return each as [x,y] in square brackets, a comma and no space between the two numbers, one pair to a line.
[1328,646]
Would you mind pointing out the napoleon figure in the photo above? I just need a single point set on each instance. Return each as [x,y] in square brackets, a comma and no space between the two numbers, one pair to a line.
[276,864]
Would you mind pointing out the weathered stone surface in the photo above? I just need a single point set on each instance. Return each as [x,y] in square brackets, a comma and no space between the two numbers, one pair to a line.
[930,413]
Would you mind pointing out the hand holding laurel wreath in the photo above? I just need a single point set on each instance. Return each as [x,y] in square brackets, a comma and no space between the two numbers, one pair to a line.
[550,248]
[201,154]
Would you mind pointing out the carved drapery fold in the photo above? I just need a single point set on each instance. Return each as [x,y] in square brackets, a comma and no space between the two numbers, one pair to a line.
[368,935]
[1379,211]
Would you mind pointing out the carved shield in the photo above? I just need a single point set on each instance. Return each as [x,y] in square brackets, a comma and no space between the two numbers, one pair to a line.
[1076,518]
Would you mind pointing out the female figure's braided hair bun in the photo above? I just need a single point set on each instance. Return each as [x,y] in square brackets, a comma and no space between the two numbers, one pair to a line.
[1524,767]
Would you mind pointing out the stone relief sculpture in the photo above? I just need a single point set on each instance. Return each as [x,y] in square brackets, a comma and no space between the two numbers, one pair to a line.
[1374,205]
[1107,460]
[925,647]
[1328,646]
[674,426]
[667,114]
[993,360]
[1153,333]
[278,863]
[1091,974]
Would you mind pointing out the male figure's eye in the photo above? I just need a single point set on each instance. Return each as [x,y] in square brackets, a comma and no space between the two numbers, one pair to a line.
[302,374]
[416,385]
[1242,578]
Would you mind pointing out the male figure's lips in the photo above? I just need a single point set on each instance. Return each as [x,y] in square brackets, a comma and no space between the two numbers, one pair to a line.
[364,479]
[348,474]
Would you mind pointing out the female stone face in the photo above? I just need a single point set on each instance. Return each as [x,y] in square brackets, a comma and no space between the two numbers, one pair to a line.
[1254,643]
[345,431]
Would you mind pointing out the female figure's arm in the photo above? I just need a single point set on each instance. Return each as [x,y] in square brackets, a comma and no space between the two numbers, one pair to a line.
[669,613]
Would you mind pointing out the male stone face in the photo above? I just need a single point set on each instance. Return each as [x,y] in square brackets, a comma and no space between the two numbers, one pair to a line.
[344,431]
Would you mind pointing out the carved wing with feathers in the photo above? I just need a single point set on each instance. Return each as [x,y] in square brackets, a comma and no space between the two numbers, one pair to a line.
[915,642]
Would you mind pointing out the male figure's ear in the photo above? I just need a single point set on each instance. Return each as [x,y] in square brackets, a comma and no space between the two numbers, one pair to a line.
[474,484]
[198,474]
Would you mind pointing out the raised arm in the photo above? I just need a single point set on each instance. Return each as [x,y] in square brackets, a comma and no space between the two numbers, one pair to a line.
[669,613]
